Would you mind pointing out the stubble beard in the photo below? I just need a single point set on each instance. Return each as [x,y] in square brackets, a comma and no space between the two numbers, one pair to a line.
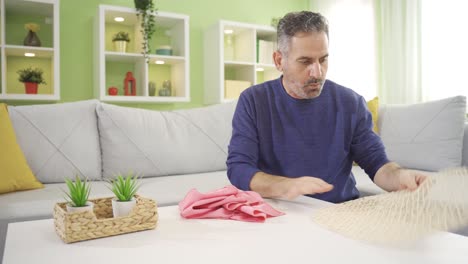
[304,91]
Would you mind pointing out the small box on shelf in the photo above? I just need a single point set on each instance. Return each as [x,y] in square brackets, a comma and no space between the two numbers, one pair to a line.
[233,88]
[164,50]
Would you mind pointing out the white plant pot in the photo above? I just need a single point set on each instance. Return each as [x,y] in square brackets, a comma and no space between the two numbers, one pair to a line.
[88,207]
[122,208]
[120,46]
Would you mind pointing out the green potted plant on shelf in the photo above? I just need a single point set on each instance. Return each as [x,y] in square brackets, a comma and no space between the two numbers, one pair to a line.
[31,79]
[124,188]
[78,194]
[120,40]
[146,14]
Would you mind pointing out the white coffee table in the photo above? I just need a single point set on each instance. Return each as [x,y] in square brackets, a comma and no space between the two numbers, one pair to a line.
[293,238]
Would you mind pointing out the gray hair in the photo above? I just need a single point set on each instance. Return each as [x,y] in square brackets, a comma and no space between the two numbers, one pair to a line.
[295,22]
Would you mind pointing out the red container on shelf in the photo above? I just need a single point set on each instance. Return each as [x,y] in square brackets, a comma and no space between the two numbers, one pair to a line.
[113,90]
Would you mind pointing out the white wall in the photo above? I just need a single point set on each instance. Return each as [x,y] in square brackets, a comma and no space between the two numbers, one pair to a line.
[352,50]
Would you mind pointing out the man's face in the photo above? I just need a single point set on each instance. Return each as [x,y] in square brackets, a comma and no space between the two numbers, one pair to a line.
[305,65]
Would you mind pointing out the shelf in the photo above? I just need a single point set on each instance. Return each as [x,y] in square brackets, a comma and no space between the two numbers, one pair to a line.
[123,57]
[231,54]
[27,97]
[30,7]
[112,66]
[238,63]
[39,52]
[265,65]
[166,59]
[16,56]
[143,99]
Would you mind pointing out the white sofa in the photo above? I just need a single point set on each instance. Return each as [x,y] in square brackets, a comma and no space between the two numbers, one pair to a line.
[429,137]
[173,151]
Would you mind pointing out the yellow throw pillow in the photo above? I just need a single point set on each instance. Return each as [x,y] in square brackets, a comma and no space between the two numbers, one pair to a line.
[373,106]
[15,174]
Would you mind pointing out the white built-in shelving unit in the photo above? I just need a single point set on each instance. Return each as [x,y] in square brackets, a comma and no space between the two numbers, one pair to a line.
[111,66]
[233,52]
[14,14]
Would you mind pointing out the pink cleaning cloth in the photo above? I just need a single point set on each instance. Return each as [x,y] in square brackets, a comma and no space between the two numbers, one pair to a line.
[227,203]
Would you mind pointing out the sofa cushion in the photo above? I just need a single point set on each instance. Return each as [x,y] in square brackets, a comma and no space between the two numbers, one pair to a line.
[158,143]
[425,136]
[15,174]
[59,140]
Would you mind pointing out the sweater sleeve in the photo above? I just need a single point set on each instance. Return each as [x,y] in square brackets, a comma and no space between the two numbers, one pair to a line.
[243,149]
[367,147]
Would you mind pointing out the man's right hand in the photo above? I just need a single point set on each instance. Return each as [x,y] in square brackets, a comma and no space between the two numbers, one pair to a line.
[273,186]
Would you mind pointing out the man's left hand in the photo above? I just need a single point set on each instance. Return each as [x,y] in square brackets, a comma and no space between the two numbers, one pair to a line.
[392,177]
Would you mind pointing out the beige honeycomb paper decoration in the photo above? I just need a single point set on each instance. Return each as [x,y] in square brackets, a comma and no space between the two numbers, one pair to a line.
[439,204]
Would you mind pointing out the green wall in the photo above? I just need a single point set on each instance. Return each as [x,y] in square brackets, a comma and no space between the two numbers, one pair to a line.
[76,38]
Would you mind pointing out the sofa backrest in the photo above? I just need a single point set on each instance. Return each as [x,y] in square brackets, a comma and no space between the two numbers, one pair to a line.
[98,140]
[158,143]
[426,136]
[59,140]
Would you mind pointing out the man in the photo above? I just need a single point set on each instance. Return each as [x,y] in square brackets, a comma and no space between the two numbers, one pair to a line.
[299,134]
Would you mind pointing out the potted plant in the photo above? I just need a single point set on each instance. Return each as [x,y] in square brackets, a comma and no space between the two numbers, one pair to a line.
[78,193]
[31,79]
[146,13]
[124,188]
[120,40]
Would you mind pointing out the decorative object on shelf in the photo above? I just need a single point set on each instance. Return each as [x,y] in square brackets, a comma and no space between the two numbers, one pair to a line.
[166,88]
[100,223]
[264,50]
[120,40]
[113,90]
[275,21]
[146,15]
[129,81]
[78,193]
[31,79]
[31,38]
[151,88]
[124,188]
[164,50]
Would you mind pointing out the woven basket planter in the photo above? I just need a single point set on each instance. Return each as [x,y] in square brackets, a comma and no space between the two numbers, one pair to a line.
[73,227]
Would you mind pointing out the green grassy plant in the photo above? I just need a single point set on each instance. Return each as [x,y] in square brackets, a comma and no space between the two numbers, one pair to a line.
[125,186]
[78,191]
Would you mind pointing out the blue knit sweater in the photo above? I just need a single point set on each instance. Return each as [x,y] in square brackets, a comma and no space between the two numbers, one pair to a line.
[320,137]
